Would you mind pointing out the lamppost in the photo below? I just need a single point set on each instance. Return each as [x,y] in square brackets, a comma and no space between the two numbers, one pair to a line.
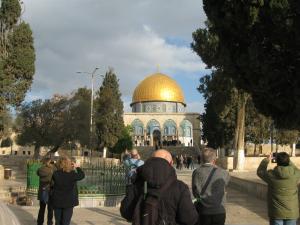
[92,102]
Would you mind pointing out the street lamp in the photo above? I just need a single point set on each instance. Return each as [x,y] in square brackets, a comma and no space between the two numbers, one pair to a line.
[92,101]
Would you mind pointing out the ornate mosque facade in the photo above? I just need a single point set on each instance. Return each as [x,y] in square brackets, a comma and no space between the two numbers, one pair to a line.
[159,116]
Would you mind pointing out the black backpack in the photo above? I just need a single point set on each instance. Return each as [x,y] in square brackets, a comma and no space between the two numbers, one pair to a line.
[150,209]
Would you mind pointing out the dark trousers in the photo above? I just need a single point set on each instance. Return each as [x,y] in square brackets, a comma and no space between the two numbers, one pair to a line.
[63,216]
[41,214]
[215,219]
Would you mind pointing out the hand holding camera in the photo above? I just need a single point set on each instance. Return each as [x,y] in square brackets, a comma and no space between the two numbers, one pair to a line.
[273,157]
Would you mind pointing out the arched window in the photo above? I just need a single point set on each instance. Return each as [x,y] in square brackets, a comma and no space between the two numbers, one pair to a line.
[170,128]
[138,127]
[186,128]
[152,125]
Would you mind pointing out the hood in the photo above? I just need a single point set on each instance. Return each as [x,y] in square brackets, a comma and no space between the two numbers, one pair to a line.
[284,172]
[156,171]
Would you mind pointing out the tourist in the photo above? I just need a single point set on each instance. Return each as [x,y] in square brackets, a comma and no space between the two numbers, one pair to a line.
[177,160]
[45,173]
[64,196]
[189,161]
[181,161]
[282,183]
[157,182]
[199,159]
[132,163]
[208,186]
[185,162]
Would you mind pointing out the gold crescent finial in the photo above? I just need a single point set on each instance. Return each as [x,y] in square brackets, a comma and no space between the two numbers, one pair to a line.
[157,68]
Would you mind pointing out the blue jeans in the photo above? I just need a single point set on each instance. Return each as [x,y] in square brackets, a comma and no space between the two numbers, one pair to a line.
[282,222]
[63,216]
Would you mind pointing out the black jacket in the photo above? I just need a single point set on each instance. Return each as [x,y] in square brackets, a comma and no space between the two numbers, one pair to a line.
[65,193]
[177,198]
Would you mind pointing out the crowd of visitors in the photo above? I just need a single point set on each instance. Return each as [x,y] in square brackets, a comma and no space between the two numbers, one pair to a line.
[184,161]
[154,195]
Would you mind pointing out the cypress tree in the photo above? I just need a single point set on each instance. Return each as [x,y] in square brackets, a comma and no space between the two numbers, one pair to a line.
[109,111]
[17,56]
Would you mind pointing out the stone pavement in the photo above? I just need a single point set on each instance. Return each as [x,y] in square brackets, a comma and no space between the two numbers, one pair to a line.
[242,209]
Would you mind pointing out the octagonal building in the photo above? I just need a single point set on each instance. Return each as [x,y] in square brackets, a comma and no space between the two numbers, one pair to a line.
[159,116]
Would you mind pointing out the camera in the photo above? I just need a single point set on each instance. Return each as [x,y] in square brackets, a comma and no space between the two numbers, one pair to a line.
[274,155]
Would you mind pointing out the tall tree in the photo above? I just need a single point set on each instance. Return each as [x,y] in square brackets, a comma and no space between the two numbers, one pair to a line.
[109,111]
[287,137]
[7,124]
[257,126]
[125,141]
[17,56]
[206,44]
[77,124]
[219,118]
[43,124]
[258,44]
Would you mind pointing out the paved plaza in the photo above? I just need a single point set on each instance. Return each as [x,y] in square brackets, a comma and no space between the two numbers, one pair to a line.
[242,209]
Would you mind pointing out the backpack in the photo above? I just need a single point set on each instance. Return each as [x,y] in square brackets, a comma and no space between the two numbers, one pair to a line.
[150,209]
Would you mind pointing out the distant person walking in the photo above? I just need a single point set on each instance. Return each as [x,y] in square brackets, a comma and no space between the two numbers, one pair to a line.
[65,196]
[208,186]
[283,203]
[45,173]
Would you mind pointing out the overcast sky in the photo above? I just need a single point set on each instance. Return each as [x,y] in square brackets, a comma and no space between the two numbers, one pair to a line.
[132,36]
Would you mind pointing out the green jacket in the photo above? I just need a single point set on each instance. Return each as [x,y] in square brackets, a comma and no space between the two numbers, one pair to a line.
[282,183]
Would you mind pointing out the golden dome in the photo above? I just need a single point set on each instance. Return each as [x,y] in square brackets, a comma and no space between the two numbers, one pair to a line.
[158,87]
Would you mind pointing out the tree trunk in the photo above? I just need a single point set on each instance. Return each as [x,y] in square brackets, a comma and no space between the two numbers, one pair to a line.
[254,153]
[104,152]
[240,132]
[54,149]
[293,153]
[36,151]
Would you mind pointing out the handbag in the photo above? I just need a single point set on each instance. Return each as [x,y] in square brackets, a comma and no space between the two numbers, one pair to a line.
[198,204]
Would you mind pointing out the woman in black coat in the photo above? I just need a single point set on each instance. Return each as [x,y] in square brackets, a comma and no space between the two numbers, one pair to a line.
[65,196]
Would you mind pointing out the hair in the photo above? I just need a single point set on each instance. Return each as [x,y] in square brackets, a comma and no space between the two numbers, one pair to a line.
[283,159]
[73,159]
[208,155]
[46,160]
[65,164]
[134,153]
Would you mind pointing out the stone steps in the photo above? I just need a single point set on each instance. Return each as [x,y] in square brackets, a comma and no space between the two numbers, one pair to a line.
[146,151]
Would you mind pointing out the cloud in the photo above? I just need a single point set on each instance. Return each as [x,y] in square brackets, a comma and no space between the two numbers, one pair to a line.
[129,35]
[195,107]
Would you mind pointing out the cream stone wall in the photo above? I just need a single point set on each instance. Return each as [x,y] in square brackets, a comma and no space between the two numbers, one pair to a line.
[251,163]
[163,117]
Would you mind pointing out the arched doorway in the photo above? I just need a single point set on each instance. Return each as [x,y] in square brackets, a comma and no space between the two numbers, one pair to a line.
[156,138]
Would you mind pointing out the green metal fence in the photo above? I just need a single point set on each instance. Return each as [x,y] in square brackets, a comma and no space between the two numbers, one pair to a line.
[100,179]
[32,177]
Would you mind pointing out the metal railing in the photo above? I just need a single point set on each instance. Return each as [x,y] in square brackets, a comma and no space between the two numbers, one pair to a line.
[100,179]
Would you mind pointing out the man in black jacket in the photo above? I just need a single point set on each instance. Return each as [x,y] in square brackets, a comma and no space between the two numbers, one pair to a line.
[177,202]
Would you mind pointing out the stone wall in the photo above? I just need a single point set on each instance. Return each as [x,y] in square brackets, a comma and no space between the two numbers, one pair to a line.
[265,149]
[146,152]
[1,173]
[251,163]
